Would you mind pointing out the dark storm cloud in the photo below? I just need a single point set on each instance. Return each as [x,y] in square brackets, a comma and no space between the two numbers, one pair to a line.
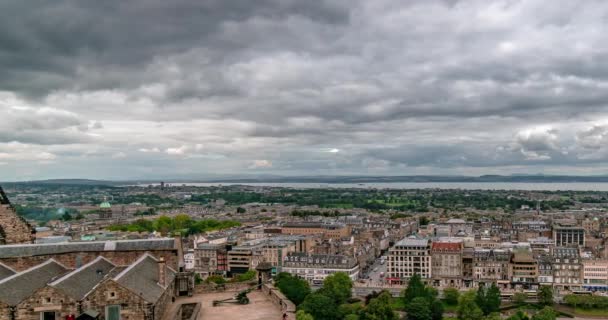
[295,87]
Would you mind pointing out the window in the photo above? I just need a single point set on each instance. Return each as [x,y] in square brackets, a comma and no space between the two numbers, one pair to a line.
[113,312]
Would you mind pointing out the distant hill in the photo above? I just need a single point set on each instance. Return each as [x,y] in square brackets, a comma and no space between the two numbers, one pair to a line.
[335,179]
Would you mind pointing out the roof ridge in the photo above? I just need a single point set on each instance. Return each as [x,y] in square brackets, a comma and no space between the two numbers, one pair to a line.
[38,266]
[8,267]
[138,261]
[77,270]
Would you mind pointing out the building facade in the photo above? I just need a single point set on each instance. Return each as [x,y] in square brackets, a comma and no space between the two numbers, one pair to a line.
[315,268]
[446,263]
[408,257]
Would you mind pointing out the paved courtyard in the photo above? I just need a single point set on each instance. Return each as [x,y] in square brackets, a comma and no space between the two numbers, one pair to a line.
[259,307]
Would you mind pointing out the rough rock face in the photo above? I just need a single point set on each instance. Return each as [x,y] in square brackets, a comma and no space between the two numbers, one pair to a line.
[13,228]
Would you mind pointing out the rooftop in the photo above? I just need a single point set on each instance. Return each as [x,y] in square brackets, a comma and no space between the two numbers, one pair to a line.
[19,286]
[142,278]
[409,242]
[28,250]
[80,281]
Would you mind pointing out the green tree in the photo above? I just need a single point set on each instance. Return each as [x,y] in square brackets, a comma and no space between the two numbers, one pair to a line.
[351,316]
[346,309]
[519,315]
[519,298]
[451,295]
[545,295]
[240,210]
[294,288]
[379,308]
[320,306]
[419,309]
[467,308]
[302,315]
[492,300]
[415,288]
[547,313]
[493,316]
[339,287]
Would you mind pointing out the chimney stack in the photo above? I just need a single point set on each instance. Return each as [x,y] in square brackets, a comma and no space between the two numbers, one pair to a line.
[162,272]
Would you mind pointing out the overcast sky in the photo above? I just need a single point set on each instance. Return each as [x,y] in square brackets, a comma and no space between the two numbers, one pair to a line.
[196,88]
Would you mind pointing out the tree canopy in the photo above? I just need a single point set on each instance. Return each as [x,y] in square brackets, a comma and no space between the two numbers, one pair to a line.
[294,288]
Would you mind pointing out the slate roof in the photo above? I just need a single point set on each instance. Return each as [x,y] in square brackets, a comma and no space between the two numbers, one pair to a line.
[6,271]
[28,250]
[408,242]
[142,278]
[19,286]
[79,282]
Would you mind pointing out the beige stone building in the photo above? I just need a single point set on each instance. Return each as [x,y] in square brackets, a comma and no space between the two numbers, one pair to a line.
[446,257]
[491,266]
[331,231]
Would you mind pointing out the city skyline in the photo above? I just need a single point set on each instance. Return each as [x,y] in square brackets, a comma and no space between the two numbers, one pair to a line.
[155,90]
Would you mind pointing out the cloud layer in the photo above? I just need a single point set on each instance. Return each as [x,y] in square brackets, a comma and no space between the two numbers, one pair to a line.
[152,89]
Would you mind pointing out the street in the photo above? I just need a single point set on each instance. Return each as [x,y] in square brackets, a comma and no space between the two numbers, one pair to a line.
[373,278]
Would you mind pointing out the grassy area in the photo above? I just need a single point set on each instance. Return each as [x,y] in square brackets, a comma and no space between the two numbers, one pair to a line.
[591,312]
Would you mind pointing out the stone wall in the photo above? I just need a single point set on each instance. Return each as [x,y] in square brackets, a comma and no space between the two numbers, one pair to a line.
[164,301]
[71,259]
[46,299]
[280,300]
[5,312]
[14,228]
[132,307]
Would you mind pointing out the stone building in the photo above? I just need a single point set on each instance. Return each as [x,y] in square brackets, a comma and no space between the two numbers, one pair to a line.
[523,270]
[545,269]
[408,257]
[20,286]
[565,236]
[63,296]
[140,292]
[105,210]
[13,228]
[567,269]
[491,266]
[49,291]
[328,230]
[76,254]
[446,263]
[315,268]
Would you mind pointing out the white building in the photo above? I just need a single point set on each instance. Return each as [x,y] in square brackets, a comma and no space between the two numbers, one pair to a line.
[409,257]
[316,267]
[189,260]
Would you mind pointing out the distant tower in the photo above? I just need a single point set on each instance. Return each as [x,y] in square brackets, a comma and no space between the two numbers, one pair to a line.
[538,207]
[162,185]
[105,210]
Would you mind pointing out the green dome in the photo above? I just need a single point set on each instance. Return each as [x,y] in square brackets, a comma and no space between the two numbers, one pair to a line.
[105,205]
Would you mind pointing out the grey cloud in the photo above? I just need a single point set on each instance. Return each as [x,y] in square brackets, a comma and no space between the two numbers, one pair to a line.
[386,83]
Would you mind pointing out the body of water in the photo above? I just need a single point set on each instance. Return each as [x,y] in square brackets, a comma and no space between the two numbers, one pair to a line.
[530,186]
